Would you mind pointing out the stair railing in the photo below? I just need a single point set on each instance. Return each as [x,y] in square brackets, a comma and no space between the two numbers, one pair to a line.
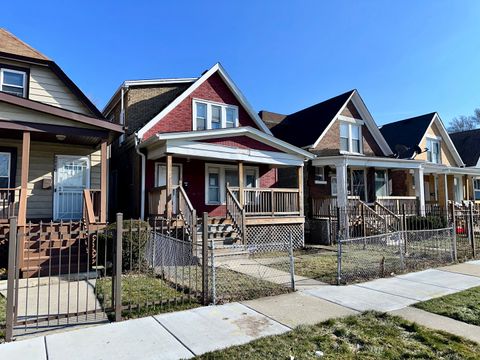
[237,213]
[393,220]
[372,218]
[187,213]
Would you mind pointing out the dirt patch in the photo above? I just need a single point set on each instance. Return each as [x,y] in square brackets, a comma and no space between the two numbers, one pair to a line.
[253,326]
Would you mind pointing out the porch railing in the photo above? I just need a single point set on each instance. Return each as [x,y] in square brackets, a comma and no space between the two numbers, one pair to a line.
[236,212]
[396,203]
[325,206]
[92,206]
[392,220]
[271,202]
[9,203]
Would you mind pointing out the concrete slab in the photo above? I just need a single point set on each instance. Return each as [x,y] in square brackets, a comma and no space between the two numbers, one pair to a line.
[465,268]
[360,298]
[408,289]
[134,339]
[298,308]
[33,349]
[443,278]
[217,327]
[439,322]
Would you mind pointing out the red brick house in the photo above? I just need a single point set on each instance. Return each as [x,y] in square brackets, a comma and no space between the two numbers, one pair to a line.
[196,145]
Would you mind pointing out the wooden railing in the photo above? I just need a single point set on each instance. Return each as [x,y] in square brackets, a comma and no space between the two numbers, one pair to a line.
[92,206]
[325,206]
[9,203]
[392,220]
[396,203]
[236,212]
[271,202]
[187,212]
[157,200]
[370,218]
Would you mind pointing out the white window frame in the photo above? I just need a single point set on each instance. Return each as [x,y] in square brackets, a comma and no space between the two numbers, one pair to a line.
[476,189]
[222,183]
[209,104]
[350,124]
[156,176]
[319,175]
[333,189]
[24,86]
[431,141]
[385,172]
[9,167]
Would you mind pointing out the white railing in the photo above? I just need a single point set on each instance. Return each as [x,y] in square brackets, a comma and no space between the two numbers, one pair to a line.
[271,202]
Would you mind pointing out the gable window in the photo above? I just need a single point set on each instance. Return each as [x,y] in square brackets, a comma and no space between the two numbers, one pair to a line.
[350,138]
[208,115]
[433,152]
[476,188]
[13,82]
[5,163]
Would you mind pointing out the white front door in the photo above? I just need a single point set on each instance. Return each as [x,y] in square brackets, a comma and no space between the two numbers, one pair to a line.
[72,176]
[161,180]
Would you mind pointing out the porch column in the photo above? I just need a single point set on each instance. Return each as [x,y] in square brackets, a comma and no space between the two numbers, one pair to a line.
[420,188]
[241,195]
[103,182]
[443,190]
[300,189]
[168,182]
[341,185]
[22,208]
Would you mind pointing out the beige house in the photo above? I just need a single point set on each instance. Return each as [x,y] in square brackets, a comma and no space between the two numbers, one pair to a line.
[53,140]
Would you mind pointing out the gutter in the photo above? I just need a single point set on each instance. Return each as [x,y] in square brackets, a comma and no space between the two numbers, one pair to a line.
[142,178]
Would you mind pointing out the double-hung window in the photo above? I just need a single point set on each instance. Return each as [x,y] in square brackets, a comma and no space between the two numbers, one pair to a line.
[476,188]
[433,152]
[5,163]
[13,82]
[350,138]
[208,115]
[218,176]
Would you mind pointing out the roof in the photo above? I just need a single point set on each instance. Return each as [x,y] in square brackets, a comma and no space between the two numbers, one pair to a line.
[408,132]
[9,43]
[304,127]
[468,145]
[271,119]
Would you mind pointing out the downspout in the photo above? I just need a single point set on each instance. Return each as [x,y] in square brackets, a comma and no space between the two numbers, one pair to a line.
[142,180]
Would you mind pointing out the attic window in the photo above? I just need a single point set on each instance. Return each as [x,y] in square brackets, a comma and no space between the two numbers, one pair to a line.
[208,115]
[351,138]
[433,152]
[13,82]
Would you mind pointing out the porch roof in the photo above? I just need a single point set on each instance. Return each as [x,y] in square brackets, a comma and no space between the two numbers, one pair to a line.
[367,161]
[442,169]
[191,144]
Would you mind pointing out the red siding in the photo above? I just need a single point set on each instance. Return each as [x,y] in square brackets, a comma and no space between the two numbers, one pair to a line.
[180,118]
[242,142]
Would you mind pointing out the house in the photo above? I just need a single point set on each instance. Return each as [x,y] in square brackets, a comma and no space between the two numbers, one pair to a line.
[195,145]
[444,175]
[468,146]
[53,141]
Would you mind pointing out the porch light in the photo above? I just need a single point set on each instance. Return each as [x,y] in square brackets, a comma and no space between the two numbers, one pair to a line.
[60,137]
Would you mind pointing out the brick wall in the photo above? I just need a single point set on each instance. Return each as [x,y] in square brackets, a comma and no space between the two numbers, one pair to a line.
[180,118]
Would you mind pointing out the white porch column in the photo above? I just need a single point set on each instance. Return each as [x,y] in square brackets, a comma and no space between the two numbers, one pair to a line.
[420,188]
[341,185]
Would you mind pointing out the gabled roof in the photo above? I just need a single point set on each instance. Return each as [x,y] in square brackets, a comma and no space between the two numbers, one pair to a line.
[468,146]
[13,45]
[217,68]
[271,119]
[408,132]
[304,127]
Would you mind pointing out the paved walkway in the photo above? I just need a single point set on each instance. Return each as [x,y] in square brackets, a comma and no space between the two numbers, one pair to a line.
[193,332]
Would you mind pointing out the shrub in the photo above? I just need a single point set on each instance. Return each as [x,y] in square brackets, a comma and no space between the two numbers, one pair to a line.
[426,222]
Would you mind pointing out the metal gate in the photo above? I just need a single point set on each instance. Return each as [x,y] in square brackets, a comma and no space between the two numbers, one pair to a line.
[53,269]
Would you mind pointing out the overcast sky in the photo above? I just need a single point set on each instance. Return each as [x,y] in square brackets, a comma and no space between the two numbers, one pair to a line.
[405,57]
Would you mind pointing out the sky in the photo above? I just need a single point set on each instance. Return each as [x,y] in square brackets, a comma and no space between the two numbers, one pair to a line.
[406,58]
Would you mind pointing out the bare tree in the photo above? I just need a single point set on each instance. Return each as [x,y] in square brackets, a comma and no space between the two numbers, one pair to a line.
[464,123]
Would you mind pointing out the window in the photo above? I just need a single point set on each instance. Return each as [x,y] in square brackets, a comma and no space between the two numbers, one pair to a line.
[217,176]
[13,82]
[333,185]
[350,138]
[319,175]
[5,160]
[433,152]
[201,117]
[458,185]
[381,183]
[209,115]
[476,189]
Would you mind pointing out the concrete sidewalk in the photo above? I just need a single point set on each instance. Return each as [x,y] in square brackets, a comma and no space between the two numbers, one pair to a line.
[193,332]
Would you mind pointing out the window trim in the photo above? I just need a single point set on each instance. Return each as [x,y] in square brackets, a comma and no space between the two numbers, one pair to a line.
[222,182]
[350,124]
[15,70]
[431,140]
[223,120]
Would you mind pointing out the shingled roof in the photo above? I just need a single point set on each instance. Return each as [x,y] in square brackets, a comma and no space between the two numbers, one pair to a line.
[9,43]
[468,145]
[408,132]
[304,127]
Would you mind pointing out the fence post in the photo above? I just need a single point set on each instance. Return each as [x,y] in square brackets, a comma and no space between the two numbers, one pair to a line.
[404,225]
[205,259]
[292,263]
[212,259]
[118,268]
[339,249]
[471,232]
[12,250]
[454,235]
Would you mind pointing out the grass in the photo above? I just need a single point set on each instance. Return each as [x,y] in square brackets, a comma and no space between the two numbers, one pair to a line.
[145,290]
[367,336]
[3,310]
[463,306]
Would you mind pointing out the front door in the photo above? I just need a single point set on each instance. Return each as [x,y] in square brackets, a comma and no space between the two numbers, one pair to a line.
[162,181]
[72,176]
